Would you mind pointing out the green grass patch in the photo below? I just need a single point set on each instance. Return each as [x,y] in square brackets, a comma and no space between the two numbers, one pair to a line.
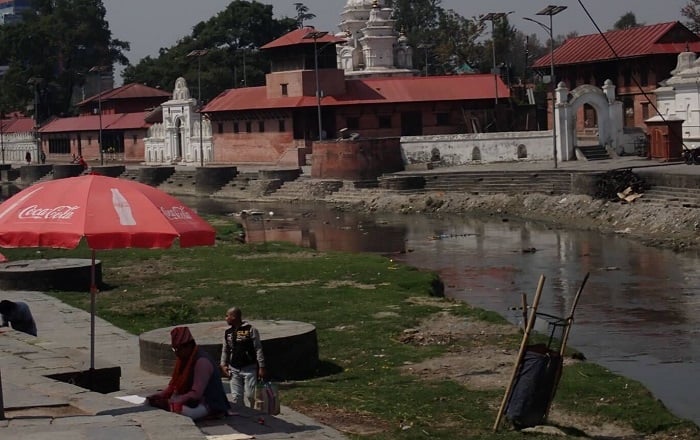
[360,305]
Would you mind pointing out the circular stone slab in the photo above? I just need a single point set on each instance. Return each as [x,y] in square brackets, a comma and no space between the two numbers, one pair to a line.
[72,274]
[291,347]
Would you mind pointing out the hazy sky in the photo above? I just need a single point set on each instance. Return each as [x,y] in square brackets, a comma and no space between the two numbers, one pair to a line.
[151,24]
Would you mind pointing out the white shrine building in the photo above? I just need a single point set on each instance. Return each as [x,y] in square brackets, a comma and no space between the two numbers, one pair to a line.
[372,48]
[179,139]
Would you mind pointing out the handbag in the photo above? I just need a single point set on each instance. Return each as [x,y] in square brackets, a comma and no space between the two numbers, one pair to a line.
[267,398]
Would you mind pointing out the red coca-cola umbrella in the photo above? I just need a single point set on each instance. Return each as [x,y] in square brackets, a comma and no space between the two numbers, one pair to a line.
[109,213]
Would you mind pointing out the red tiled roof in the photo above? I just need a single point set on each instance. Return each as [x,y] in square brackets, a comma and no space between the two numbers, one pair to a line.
[128,91]
[17,125]
[662,38]
[297,37]
[370,91]
[119,121]
[130,121]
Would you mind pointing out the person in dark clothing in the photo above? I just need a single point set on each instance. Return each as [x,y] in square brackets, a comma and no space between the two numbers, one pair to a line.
[242,358]
[18,315]
[28,157]
[42,157]
[195,389]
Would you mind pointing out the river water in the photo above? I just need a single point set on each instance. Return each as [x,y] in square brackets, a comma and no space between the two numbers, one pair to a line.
[637,315]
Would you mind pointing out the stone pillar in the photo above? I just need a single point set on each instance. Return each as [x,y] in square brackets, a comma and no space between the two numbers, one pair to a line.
[565,133]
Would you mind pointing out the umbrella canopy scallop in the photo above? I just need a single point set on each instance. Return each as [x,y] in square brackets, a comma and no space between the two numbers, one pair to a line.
[110,213]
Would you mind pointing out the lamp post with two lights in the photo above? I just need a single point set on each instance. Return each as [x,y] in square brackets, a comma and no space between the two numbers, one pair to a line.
[316,35]
[99,70]
[199,53]
[551,10]
[35,83]
[492,17]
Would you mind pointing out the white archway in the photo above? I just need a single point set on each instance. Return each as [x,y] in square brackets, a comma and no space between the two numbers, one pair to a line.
[609,111]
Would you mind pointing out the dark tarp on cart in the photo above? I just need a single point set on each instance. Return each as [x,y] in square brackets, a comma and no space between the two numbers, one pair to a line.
[534,386]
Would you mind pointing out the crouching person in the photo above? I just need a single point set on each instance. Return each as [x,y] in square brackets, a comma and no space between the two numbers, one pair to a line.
[195,389]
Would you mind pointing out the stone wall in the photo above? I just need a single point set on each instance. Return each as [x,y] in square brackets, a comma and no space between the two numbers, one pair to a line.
[362,159]
[463,149]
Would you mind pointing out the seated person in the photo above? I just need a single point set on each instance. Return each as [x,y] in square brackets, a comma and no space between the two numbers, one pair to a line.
[195,389]
[18,315]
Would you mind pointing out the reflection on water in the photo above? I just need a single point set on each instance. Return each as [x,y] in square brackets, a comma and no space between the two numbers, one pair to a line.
[638,314]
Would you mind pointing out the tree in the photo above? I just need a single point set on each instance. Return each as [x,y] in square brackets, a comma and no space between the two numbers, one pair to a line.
[455,46]
[691,11]
[303,14]
[59,41]
[232,38]
[448,39]
[627,21]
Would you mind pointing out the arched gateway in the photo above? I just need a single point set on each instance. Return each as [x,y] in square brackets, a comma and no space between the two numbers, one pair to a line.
[609,112]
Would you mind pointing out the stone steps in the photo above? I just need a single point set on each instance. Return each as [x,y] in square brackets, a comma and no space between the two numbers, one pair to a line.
[180,183]
[509,182]
[356,196]
[593,152]
[130,175]
[672,196]
[247,188]
[295,189]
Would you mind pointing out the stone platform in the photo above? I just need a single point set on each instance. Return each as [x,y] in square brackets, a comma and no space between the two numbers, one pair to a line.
[291,347]
[71,274]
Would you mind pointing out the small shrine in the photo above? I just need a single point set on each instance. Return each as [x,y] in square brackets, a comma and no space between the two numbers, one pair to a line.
[677,97]
[372,47]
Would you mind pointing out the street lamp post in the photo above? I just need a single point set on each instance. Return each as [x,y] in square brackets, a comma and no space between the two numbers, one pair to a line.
[551,10]
[315,35]
[35,83]
[492,17]
[199,53]
[99,70]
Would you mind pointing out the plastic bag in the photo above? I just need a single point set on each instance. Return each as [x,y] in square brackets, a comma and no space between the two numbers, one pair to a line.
[267,398]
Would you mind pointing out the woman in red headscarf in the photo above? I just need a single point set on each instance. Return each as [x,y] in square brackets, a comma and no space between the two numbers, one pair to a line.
[195,389]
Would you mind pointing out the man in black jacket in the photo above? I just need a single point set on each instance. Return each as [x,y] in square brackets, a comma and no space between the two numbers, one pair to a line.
[242,358]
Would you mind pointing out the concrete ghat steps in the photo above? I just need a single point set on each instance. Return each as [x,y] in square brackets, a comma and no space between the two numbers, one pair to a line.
[236,188]
[180,183]
[506,182]
[130,174]
[672,196]
[295,189]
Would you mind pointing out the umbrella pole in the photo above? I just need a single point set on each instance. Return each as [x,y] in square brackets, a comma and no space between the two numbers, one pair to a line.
[93,292]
